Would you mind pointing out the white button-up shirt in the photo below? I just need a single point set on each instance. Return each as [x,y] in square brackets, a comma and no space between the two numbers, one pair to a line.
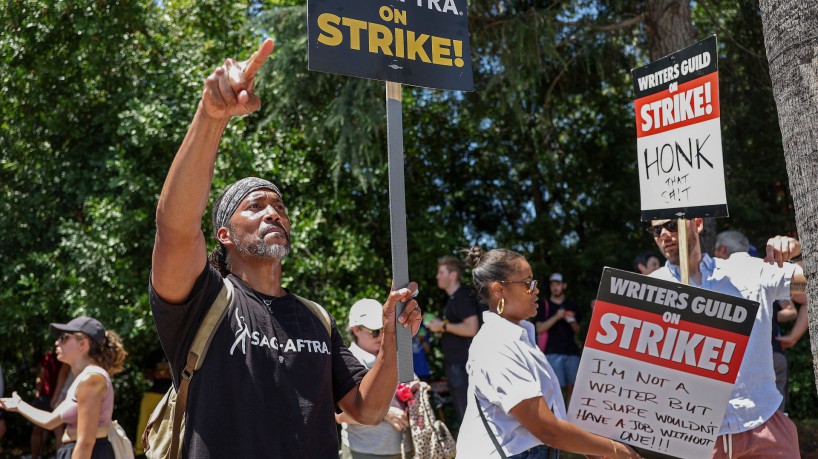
[754,398]
[505,367]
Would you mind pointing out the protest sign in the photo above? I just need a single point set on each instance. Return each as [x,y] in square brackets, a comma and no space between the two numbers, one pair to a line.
[659,364]
[678,130]
[415,42]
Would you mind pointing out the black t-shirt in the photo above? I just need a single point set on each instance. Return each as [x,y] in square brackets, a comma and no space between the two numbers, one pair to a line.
[560,335]
[270,381]
[461,305]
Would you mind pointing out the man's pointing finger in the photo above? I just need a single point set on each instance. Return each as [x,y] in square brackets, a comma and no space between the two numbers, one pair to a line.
[258,58]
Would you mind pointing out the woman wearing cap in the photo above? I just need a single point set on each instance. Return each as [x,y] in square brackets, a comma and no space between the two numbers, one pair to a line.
[93,354]
[384,440]
[515,406]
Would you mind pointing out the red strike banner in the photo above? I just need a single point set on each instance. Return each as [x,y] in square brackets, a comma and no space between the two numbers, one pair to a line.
[693,102]
[686,346]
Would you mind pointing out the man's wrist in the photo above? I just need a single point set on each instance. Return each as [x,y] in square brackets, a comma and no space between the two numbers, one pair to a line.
[445,325]
[204,116]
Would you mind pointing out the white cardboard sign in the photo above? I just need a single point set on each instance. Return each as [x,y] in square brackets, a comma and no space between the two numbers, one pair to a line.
[678,130]
[659,364]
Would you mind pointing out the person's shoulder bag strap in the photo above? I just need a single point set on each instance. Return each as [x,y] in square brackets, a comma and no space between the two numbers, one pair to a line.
[196,355]
[488,429]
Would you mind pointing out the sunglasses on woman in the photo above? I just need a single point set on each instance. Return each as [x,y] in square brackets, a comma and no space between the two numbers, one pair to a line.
[65,335]
[374,333]
[532,284]
[670,225]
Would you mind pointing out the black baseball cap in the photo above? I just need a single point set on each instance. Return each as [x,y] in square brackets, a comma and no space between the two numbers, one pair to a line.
[88,325]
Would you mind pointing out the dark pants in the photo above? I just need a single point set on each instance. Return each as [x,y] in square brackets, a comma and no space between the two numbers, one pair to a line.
[102,450]
[537,452]
[458,382]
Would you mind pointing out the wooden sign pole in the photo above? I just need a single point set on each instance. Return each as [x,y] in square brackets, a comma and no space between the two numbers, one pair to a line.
[397,216]
[684,268]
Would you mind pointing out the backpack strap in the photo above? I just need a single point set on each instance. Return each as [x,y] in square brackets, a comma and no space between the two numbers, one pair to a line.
[195,358]
[318,311]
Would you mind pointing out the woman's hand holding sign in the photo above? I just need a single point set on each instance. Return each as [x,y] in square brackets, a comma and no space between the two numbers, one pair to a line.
[228,90]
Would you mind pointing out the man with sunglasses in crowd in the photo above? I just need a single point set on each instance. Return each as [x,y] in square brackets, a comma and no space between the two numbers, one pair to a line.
[752,425]
[276,369]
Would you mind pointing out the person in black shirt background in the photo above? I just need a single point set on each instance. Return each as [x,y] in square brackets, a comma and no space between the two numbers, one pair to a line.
[459,325]
[560,317]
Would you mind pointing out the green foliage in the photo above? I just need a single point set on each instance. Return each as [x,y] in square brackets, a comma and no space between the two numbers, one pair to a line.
[97,96]
[540,158]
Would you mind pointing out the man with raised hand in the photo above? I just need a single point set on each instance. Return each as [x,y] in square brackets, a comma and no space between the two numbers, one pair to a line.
[273,374]
[752,425]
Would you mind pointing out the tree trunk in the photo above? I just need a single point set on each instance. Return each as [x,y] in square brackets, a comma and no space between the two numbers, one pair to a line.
[792,51]
[669,26]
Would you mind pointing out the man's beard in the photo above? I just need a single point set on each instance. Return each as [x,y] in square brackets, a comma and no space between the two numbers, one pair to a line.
[255,247]
[263,251]
[692,242]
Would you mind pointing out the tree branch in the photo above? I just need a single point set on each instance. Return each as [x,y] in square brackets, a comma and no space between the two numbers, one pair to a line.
[620,26]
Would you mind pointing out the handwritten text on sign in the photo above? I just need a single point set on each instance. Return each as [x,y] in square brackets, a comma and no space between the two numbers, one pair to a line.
[681,171]
[659,363]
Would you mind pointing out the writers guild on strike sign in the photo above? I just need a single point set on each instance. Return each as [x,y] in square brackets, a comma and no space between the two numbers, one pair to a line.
[678,128]
[659,363]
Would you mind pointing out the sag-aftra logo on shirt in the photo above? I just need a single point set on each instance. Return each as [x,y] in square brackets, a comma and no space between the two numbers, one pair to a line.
[255,338]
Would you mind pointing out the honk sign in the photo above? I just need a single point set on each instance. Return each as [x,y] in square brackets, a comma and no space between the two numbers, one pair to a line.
[416,42]
[678,131]
[659,363]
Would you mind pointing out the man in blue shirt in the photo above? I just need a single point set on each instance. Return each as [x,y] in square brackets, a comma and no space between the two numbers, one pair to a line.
[752,425]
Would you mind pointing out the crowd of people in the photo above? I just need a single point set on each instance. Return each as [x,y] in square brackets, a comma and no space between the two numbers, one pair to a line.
[281,376]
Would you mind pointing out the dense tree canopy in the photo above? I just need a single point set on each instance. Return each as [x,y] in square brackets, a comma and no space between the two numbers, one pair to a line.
[540,158]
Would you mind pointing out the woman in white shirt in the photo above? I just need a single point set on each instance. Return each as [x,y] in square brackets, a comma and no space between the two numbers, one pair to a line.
[515,406]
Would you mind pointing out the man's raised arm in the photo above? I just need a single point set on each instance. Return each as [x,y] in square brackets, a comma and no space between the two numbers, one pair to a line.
[781,249]
[179,251]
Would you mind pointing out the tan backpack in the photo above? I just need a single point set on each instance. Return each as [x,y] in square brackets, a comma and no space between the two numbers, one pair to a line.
[165,430]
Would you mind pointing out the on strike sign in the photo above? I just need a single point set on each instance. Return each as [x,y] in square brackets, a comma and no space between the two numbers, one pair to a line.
[678,130]
[415,42]
[659,364]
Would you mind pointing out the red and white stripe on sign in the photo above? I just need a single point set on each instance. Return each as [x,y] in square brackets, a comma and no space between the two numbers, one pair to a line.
[685,346]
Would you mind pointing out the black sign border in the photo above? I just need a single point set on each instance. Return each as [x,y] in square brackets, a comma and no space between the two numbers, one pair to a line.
[708,44]
[744,328]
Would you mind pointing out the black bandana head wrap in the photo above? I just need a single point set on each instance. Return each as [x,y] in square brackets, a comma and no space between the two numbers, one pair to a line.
[229,201]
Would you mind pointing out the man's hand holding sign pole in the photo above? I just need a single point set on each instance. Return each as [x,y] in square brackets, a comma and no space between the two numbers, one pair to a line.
[421,44]
[397,216]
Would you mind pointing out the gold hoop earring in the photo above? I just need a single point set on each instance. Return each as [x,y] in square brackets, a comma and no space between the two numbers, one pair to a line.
[500,306]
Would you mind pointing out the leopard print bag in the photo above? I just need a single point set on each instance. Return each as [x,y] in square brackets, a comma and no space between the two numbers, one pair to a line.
[430,436]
